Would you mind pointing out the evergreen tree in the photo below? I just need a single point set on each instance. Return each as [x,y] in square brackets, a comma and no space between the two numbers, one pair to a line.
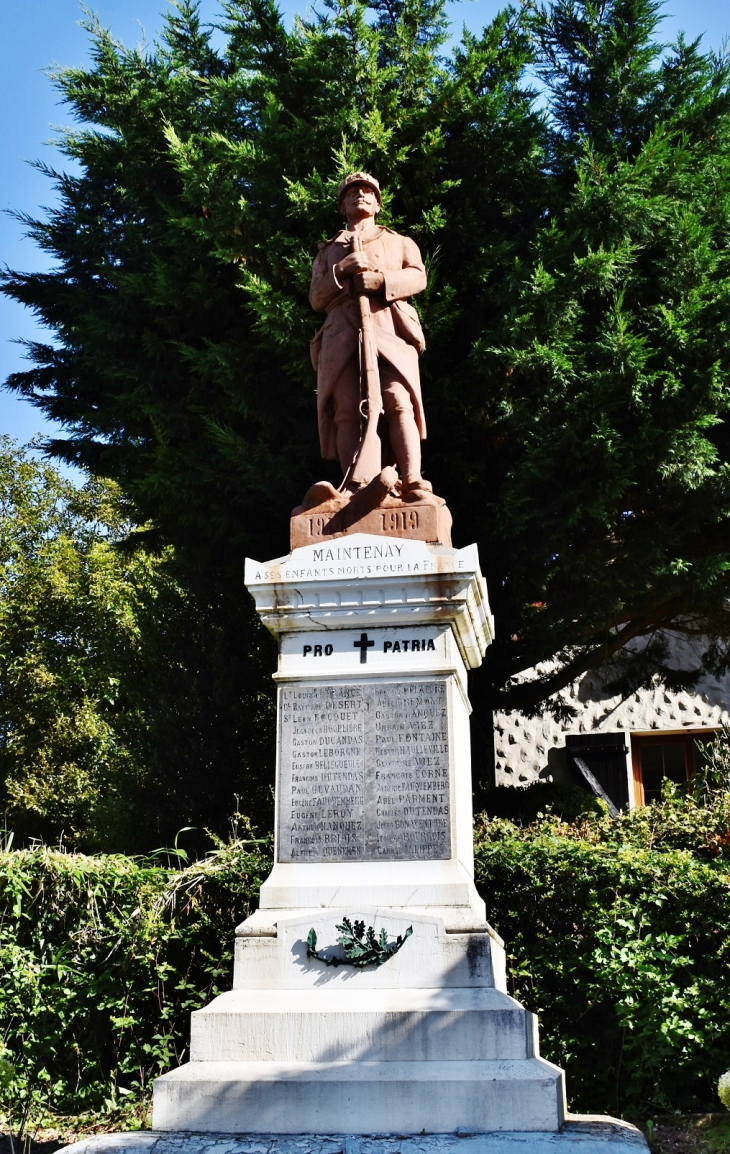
[575,311]
[614,505]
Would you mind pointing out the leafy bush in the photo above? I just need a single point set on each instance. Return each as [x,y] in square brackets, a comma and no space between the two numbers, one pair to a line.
[103,959]
[618,934]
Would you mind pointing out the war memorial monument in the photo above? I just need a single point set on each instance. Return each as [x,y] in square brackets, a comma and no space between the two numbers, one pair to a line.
[369,1012]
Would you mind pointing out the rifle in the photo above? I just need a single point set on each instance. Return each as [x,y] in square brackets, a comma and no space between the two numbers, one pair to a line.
[368,459]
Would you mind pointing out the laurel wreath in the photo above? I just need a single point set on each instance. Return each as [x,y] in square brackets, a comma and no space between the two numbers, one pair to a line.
[362,947]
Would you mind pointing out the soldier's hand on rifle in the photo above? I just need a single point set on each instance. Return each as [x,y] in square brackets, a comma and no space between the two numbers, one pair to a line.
[351,265]
[369,282]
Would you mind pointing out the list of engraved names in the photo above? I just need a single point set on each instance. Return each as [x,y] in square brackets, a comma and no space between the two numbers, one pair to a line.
[364,772]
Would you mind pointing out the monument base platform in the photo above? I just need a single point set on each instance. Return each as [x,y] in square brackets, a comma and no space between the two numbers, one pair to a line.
[429,1041]
[579,1135]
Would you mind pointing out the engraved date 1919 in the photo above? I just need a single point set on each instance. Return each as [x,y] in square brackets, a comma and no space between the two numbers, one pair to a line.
[399,520]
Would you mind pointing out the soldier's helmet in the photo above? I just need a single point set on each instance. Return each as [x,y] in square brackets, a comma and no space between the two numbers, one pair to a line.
[358,178]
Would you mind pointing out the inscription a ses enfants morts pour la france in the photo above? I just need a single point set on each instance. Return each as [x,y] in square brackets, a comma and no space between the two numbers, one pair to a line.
[364,772]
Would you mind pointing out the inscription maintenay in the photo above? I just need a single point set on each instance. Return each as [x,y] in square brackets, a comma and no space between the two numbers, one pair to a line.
[364,772]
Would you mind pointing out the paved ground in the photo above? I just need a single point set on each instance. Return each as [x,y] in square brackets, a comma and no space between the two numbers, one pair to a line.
[677,1134]
[584,1135]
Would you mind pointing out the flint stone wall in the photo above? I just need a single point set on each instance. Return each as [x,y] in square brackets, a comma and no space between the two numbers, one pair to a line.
[530,749]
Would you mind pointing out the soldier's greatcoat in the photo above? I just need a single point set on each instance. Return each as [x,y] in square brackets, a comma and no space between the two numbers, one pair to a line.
[396,328]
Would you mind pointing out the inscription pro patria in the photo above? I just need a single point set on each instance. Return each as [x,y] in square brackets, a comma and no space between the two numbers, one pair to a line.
[364,772]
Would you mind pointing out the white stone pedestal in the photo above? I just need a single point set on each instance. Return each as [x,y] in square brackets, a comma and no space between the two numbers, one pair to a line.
[375,638]
[374,822]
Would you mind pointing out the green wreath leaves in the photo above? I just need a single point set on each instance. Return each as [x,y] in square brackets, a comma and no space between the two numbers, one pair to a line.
[362,947]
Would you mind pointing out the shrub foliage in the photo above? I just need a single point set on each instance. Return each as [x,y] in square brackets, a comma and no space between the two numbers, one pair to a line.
[623,952]
[103,959]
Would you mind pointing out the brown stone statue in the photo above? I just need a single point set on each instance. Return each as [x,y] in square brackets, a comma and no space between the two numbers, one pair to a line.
[369,403]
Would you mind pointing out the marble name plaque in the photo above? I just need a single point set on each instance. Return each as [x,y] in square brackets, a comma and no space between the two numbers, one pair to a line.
[364,772]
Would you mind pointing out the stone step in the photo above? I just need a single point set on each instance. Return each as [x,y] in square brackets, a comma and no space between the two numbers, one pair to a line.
[360,1097]
[337,1025]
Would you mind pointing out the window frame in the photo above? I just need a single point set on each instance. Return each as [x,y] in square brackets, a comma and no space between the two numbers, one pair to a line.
[686,737]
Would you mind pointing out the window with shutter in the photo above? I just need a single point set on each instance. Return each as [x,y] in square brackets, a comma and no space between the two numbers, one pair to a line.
[600,762]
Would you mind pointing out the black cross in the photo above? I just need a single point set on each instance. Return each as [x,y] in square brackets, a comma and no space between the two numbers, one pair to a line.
[363,645]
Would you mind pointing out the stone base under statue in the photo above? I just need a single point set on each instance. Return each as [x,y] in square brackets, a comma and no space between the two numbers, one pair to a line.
[377,508]
[426,1054]
[429,523]
[430,1041]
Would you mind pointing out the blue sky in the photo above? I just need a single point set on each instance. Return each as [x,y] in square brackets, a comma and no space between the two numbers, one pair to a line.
[36,34]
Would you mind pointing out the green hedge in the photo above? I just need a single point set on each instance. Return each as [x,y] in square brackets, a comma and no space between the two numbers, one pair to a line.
[102,960]
[624,953]
[617,934]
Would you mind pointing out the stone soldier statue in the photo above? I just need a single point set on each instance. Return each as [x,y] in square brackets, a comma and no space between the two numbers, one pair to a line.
[388,269]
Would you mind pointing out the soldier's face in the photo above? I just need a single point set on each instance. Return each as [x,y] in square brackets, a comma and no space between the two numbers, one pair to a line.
[359,202]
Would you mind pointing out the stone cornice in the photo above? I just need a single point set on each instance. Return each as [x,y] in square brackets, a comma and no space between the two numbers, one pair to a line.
[375,581]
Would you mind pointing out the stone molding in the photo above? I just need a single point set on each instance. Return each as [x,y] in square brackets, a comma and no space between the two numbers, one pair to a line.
[367,581]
